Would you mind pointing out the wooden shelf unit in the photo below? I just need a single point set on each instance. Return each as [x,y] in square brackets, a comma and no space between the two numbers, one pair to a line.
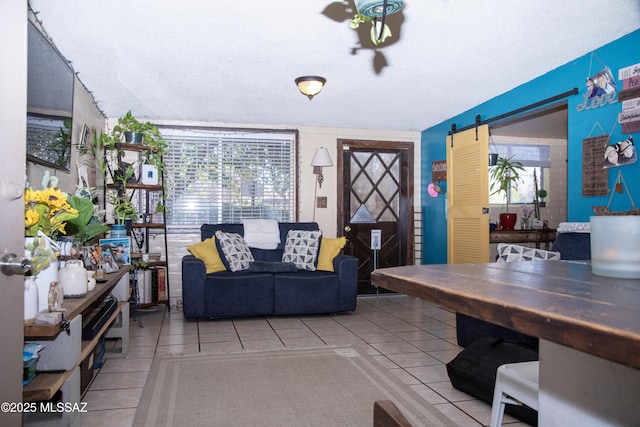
[142,191]
[45,384]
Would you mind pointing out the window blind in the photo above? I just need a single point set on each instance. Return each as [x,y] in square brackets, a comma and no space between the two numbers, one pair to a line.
[529,155]
[221,176]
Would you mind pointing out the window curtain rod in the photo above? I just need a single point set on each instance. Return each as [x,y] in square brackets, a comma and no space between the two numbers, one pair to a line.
[479,121]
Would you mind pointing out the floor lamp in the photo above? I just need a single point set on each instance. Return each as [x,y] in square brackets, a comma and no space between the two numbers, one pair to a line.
[321,158]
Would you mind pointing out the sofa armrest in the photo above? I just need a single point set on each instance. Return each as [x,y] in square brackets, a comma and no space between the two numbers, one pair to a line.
[346,267]
[194,274]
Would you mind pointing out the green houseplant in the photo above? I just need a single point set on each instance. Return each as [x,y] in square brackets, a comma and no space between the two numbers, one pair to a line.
[88,225]
[134,130]
[505,176]
[119,174]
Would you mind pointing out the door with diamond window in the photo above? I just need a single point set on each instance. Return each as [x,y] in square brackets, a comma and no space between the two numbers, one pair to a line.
[375,187]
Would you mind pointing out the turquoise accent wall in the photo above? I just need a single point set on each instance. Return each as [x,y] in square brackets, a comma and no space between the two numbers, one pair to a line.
[618,54]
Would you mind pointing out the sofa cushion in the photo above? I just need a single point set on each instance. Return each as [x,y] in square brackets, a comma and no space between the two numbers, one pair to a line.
[309,292]
[239,294]
[301,248]
[329,249]
[272,267]
[235,250]
[208,253]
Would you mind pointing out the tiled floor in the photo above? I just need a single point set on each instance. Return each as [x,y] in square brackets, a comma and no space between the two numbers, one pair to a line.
[411,338]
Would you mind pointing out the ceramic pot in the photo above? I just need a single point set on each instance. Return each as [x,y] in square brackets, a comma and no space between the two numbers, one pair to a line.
[73,278]
[91,280]
[133,137]
[508,220]
[30,298]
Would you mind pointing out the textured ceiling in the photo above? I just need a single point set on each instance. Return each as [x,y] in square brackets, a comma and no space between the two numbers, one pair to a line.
[235,61]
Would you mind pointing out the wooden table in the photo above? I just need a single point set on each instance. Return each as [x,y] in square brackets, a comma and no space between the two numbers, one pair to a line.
[589,328]
[545,235]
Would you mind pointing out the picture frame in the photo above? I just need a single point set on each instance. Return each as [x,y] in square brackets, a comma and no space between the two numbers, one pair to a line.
[91,257]
[84,137]
[115,251]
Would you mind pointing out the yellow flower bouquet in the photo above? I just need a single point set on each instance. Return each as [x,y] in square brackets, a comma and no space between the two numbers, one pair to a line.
[46,210]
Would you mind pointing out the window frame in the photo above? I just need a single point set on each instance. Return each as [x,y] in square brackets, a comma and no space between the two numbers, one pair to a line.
[222,137]
[520,152]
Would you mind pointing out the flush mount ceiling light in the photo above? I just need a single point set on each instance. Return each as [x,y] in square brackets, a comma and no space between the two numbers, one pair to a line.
[310,86]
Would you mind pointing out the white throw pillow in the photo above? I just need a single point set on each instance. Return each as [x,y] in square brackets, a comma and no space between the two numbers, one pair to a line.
[301,248]
[235,250]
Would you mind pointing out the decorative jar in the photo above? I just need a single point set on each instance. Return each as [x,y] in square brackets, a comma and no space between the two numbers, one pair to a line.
[73,279]
[91,280]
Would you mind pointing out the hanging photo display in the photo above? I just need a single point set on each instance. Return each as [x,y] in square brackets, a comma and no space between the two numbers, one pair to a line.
[629,117]
[620,154]
[601,87]
[595,179]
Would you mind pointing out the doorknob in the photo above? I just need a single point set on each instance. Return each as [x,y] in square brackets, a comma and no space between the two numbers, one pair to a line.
[347,228]
[10,264]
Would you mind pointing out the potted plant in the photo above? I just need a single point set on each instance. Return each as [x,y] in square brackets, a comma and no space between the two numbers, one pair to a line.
[136,131]
[123,210]
[505,176]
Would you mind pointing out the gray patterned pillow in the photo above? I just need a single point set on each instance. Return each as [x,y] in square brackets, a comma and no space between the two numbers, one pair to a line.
[235,250]
[301,248]
[509,253]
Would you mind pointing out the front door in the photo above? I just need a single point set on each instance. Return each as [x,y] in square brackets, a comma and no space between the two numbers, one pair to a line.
[376,190]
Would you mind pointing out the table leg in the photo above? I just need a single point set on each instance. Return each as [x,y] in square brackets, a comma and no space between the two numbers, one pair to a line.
[579,389]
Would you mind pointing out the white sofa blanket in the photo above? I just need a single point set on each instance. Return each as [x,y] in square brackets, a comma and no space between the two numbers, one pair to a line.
[261,233]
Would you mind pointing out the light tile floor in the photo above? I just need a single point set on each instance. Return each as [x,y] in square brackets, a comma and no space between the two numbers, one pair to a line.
[411,338]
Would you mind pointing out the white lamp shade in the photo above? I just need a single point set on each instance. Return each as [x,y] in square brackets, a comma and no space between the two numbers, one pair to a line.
[321,158]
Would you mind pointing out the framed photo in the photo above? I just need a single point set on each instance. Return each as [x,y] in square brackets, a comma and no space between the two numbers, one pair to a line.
[116,251]
[91,257]
[84,137]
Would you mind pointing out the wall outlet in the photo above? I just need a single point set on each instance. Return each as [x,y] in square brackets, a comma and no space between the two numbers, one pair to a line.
[321,202]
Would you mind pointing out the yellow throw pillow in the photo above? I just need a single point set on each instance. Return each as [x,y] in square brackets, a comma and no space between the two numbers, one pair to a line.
[207,252]
[329,249]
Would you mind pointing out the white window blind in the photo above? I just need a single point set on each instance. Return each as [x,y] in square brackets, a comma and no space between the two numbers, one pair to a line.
[528,155]
[222,176]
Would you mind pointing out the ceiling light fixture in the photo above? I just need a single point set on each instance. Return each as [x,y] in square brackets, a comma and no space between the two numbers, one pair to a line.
[379,8]
[310,86]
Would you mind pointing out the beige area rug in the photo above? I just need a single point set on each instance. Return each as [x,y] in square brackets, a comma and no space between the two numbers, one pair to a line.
[320,387]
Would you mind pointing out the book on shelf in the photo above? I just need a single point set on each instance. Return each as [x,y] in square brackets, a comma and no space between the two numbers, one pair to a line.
[154,285]
[162,283]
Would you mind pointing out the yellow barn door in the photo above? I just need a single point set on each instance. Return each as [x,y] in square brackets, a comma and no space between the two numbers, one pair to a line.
[468,196]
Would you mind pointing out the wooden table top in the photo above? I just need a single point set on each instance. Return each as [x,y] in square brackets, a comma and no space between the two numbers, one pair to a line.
[558,301]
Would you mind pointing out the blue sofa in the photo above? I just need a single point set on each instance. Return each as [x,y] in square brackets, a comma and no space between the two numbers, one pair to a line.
[245,293]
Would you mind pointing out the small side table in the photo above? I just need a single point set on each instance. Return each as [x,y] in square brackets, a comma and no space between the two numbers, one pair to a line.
[545,235]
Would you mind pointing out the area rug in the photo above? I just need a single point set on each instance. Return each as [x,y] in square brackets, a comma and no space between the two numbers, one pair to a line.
[318,387]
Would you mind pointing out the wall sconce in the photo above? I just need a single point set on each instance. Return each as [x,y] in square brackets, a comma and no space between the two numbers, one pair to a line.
[321,158]
[310,86]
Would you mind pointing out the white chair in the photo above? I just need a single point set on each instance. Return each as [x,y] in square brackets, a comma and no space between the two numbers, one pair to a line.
[516,383]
